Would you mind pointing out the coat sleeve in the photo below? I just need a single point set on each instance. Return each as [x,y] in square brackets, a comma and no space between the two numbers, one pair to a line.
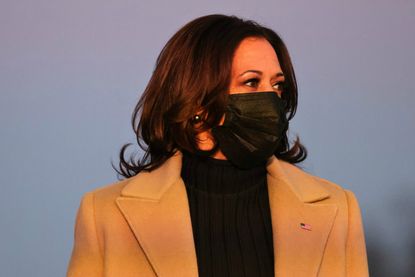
[356,256]
[86,258]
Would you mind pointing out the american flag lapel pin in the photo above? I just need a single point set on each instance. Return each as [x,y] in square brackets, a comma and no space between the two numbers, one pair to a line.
[305,226]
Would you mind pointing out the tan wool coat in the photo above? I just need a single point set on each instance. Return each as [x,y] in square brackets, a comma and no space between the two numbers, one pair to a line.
[141,226]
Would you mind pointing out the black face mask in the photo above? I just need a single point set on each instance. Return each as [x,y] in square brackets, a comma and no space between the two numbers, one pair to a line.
[253,127]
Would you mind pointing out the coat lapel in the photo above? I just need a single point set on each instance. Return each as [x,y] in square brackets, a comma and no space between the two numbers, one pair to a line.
[155,206]
[295,198]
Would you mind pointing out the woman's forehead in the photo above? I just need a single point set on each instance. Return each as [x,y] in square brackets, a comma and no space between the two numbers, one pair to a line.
[255,54]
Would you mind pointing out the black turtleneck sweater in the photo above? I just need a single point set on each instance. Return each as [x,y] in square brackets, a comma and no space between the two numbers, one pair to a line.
[230,216]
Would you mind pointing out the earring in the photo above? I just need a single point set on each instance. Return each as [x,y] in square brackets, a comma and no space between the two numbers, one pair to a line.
[196,119]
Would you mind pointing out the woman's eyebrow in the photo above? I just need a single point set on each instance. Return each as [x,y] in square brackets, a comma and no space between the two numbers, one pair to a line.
[251,70]
[279,74]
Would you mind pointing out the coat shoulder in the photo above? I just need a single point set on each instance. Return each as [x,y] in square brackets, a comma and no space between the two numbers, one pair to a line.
[338,193]
[103,204]
[106,194]
[108,189]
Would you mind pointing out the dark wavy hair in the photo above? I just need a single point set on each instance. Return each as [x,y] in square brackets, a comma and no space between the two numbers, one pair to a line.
[192,74]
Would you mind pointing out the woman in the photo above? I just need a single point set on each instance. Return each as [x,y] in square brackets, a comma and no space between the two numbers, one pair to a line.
[217,192]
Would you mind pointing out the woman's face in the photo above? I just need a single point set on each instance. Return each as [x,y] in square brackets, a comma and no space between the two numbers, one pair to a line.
[255,67]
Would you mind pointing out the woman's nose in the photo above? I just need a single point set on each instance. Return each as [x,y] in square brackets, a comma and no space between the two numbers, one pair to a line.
[266,87]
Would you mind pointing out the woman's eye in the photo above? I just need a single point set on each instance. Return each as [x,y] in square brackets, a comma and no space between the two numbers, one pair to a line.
[251,82]
[280,86]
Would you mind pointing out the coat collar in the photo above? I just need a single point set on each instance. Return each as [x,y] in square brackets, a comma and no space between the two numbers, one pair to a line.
[156,208]
[152,185]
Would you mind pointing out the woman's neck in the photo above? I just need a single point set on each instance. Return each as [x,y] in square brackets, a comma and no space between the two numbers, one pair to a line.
[205,142]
